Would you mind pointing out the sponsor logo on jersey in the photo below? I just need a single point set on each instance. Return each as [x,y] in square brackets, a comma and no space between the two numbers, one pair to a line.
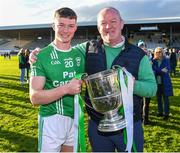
[55,62]
[57,83]
[69,75]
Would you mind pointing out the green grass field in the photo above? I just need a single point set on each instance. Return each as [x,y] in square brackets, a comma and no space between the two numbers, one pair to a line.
[18,118]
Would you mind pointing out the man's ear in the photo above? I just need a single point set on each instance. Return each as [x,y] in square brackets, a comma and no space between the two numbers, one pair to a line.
[98,28]
[76,28]
[122,24]
[53,26]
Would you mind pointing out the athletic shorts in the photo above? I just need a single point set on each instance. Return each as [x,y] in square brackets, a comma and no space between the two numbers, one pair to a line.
[54,131]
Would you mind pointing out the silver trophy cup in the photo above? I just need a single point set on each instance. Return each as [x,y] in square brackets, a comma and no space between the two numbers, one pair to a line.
[105,95]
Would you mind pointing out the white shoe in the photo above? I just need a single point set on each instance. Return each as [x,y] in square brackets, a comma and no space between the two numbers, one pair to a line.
[22,82]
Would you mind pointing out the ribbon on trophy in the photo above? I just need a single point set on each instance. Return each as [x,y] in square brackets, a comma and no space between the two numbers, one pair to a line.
[79,130]
[126,83]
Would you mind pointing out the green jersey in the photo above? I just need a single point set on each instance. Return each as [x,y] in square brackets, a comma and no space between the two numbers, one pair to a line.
[58,67]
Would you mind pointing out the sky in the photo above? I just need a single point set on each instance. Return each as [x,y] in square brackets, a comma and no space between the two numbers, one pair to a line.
[24,12]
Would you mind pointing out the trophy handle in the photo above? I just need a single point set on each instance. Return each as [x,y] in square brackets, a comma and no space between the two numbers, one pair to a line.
[118,67]
[83,78]
[114,67]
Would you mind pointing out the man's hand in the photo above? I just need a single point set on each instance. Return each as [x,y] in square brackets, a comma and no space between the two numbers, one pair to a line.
[165,70]
[32,56]
[74,87]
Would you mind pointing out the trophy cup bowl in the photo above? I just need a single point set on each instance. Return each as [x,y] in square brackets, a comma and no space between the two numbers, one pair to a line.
[105,95]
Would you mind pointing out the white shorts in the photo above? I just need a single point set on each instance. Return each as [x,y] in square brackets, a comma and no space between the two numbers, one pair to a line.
[54,131]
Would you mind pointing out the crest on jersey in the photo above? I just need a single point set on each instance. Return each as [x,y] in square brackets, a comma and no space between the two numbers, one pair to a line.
[78,61]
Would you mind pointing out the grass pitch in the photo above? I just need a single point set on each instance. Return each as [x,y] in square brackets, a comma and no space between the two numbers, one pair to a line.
[18,118]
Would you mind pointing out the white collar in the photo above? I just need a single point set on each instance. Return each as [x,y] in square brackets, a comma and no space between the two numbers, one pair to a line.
[119,44]
[53,45]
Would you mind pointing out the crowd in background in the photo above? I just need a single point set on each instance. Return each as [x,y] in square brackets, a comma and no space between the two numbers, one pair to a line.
[7,55]
[164,62]
[24,65]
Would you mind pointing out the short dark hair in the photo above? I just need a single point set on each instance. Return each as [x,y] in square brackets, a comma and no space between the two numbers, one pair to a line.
[66,13]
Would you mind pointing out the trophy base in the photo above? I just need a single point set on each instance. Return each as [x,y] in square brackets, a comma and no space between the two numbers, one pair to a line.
[111,123]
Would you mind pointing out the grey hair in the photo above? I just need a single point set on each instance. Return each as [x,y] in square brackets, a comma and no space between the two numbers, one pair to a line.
[109,8]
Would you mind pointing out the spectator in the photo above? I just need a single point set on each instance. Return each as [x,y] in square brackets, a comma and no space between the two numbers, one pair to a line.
[9,55]
[22,64]
[27,52]
[178,58]
[161,67]
[173,61]
[146,100]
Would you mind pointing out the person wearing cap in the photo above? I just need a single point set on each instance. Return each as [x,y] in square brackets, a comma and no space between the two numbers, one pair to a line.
[142,45]
[146,100]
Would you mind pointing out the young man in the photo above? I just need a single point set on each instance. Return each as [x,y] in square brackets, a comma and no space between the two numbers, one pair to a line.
[52,85]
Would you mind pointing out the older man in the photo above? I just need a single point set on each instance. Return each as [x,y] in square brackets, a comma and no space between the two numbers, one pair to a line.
[114,49]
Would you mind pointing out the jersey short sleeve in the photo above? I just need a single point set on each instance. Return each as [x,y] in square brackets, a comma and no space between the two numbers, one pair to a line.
[37,69]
